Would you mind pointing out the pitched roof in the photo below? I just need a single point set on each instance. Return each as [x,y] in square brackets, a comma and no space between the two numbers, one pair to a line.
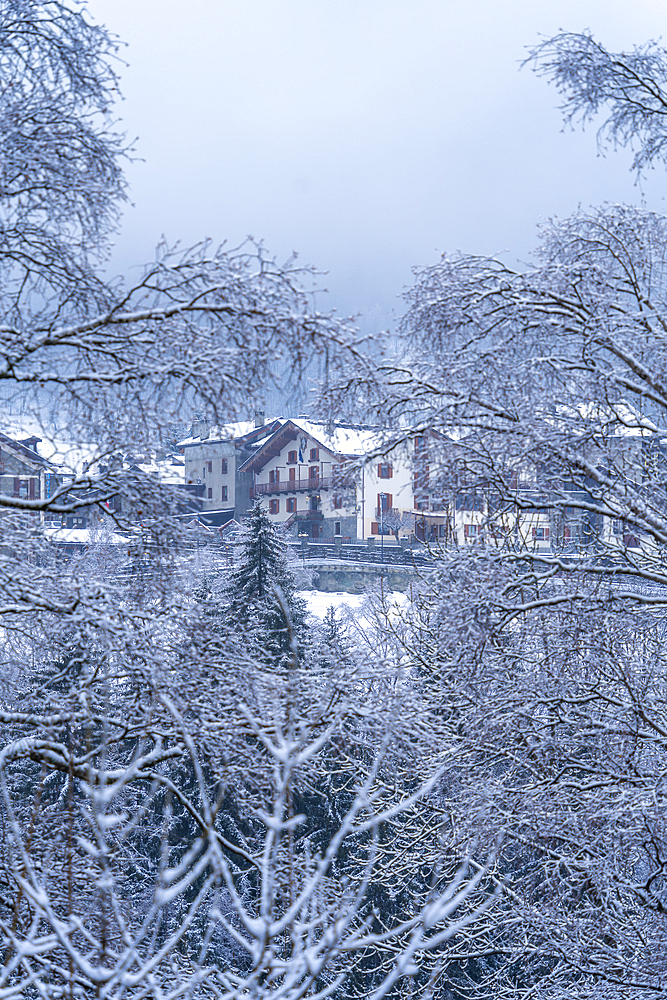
[341,442]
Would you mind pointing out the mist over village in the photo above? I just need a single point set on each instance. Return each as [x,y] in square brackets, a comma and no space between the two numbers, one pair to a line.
[333,558]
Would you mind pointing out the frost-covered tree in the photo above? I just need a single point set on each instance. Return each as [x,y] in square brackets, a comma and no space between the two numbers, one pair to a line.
[538,397]
[538,401]
[627,87]
[151,774]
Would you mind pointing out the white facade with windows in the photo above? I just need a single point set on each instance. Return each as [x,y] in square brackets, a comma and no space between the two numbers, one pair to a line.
[323,483]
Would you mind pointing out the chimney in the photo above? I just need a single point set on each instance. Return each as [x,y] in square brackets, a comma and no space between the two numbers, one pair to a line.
[200,428]
[259,418]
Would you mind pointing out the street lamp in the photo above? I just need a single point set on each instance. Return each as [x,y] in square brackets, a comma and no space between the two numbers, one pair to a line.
[383,497]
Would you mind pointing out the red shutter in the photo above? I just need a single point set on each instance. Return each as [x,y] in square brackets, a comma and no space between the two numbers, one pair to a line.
[17,486]
[390,500]
[32,488]
[375,528]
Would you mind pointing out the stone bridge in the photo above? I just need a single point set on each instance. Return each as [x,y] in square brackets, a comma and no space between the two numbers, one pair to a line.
[354,568]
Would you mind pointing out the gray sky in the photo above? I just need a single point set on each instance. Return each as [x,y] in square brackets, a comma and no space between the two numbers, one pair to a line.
[368,135]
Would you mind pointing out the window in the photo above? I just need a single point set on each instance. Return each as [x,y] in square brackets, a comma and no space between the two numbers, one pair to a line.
[291,505]
[203,473]
[223,467]
[375,528]
[272,476]
[540,534]
[314,454]
[385,501]
[336,527]
[336,503]
[314,472]
[385,470]
[209,466]
[291,457]
[472,530]
[421,478]
[274,506]
[292,475]
[210,493]
[224,493]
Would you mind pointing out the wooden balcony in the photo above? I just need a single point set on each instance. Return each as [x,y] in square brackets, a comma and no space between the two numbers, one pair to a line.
[302,485]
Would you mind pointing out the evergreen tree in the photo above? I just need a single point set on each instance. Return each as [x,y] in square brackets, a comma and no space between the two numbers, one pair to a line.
[255,590]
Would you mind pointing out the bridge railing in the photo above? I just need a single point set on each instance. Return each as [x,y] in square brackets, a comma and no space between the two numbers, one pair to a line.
[392,555]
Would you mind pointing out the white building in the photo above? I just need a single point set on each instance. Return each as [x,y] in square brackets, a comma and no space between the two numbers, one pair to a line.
[325,483]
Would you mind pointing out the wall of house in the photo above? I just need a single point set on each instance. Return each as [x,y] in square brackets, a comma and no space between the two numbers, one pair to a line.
[391,476]
[213,463]
[307,479]
[19,477]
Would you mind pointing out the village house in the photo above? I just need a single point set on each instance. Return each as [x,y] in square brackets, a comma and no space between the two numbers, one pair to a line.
[213,458]
[325,483]
[23,472]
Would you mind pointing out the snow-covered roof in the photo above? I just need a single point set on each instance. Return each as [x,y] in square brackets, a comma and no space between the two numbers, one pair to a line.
[52,445]
[348,441]
[84,536]
[169,470]
[622,419]
[342,442]
[226,432]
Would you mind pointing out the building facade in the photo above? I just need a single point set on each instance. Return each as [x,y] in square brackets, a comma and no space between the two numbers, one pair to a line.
[325,483]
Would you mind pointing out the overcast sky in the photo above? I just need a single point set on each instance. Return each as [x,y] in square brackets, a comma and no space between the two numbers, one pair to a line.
[368,135]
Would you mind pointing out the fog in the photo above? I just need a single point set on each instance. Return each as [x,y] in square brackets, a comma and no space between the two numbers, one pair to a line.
[369,136]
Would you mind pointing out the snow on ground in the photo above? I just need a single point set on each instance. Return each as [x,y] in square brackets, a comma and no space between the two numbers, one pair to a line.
[318,602]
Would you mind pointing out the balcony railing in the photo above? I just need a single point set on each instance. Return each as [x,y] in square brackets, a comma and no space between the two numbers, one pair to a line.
[302,485]
[302,516]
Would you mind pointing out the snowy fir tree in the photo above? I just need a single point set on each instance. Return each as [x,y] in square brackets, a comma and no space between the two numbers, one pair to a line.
[261,588]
